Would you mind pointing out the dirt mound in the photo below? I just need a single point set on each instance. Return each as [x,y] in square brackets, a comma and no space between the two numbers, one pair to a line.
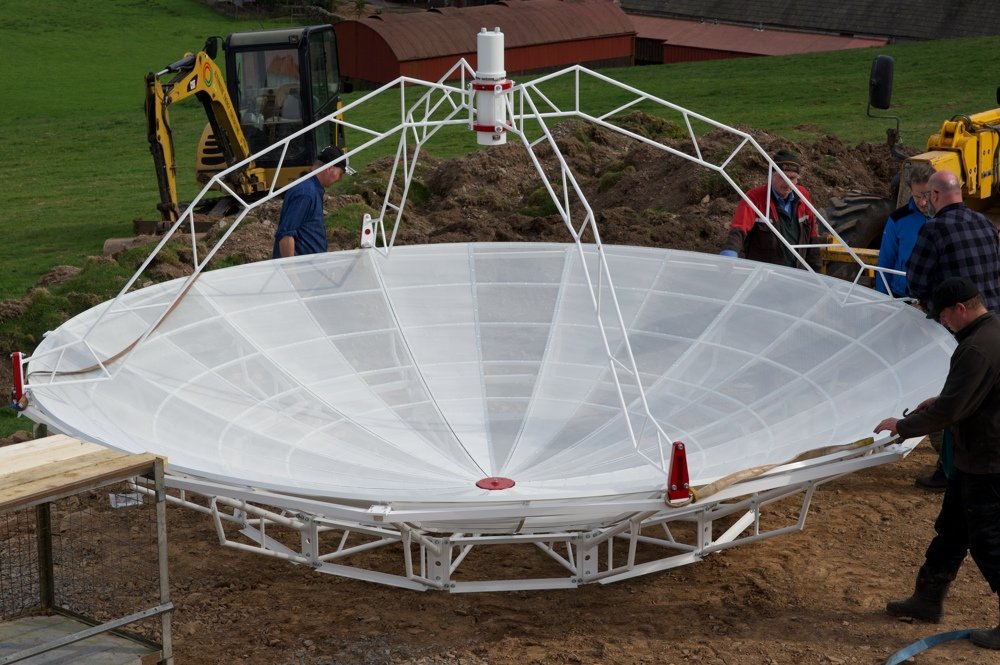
[639,194]
[58,275]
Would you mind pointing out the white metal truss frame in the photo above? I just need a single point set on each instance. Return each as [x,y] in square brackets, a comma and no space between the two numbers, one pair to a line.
[530,109]
[432,551]
[647,537]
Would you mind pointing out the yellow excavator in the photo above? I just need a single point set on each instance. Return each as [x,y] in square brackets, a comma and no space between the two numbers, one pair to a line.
[966,145]
[276,83]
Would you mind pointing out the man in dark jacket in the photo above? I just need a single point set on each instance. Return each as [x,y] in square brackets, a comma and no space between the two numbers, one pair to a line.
[752,238]
[969,403]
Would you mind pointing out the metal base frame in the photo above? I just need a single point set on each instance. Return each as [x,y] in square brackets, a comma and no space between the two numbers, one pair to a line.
[407,547]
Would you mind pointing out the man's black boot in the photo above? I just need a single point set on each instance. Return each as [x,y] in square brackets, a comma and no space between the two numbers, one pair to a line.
[988,638]
[927,601]
[935,480]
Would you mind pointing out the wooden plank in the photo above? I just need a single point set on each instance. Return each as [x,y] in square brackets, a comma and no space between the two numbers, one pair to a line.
[104,649]
[40,452]
[841,254]
[54,469]
[70,476]
[35,444]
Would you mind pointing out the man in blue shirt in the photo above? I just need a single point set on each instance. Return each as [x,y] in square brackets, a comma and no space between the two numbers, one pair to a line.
[901,229]
[302,227]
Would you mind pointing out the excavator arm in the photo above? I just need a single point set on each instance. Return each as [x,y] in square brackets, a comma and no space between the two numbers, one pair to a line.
[195,74]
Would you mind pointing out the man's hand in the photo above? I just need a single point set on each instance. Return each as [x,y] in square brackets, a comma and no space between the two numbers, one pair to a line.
[926,404]
[887,425]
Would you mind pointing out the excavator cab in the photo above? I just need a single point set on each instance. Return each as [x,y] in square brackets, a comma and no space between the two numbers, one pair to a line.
[276,82]
[279,81]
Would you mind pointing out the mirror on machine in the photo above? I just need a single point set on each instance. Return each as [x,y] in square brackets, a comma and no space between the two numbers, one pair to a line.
[880,82]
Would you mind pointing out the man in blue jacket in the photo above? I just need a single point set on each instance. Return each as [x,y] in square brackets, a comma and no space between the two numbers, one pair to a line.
[302,225]
[901,229]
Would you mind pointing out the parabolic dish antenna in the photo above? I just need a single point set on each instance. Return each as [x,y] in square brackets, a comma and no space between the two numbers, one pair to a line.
[438,398]
[356,377]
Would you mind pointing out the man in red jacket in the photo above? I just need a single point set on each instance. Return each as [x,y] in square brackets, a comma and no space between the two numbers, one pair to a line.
[752,238]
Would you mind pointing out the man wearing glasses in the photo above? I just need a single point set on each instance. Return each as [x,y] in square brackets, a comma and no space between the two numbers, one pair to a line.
[898,239]
[957,242]
[901,229]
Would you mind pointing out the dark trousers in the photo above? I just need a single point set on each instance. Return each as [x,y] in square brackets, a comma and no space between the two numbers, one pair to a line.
[969,522]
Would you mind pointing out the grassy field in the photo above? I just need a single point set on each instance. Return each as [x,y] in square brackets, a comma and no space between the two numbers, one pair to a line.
[77,170]
[76,167]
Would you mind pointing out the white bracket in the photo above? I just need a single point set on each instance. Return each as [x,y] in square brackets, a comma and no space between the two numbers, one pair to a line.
[367,232]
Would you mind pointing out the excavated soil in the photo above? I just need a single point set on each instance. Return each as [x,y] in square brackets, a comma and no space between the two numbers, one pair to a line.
[811,597]
[639,195]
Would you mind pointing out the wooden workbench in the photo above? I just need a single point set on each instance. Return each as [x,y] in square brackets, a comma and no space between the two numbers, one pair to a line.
[58,466]
[36,473]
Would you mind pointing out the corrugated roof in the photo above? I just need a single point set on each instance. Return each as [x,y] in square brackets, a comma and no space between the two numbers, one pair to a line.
[899,19]
[452,31]
[741,39]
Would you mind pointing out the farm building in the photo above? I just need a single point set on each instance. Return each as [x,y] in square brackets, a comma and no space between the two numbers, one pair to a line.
[539,35]
[666,40]
[892,20]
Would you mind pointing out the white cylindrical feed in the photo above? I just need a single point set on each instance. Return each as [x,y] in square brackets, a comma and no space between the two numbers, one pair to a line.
[490,54]
[490,89]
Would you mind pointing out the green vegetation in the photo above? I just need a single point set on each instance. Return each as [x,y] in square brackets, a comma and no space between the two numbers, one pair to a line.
[349,216]
[539,203]
[611,175]
[76,167]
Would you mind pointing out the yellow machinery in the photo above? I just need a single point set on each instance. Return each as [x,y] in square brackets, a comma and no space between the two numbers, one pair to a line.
[966,145]
[276,83]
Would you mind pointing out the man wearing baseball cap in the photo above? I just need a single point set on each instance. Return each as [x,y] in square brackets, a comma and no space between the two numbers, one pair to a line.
[302,225]
[752,238]
[969,403]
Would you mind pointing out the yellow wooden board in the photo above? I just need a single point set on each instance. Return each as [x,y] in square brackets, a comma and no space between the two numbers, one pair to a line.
[31,454]
[58,466]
